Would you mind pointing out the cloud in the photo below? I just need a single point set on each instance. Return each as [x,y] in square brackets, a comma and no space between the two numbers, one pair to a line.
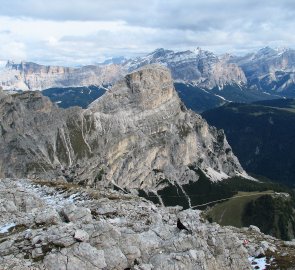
[87,31]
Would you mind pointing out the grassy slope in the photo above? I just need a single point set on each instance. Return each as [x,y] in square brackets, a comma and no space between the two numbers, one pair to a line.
[230,212]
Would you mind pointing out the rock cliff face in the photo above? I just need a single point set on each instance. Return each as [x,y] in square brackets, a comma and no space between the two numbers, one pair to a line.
[134,136]
[31,76]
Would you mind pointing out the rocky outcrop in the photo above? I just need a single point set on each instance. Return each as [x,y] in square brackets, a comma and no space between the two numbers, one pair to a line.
[31,76]
[136,235]
[134,136]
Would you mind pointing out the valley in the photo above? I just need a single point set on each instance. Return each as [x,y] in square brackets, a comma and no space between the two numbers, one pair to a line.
[261,135]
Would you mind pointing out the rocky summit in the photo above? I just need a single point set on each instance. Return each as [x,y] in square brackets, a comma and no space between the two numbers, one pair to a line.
[67,227]
[134,136]
[52,226]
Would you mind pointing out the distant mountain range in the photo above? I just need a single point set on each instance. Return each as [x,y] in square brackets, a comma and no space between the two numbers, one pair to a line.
[269,70]
[198,74]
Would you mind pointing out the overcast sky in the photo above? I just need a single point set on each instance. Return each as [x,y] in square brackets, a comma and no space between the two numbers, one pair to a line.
[74,32]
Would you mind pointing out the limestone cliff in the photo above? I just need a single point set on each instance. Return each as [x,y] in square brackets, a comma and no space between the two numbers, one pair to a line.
[134,136]
[31,76]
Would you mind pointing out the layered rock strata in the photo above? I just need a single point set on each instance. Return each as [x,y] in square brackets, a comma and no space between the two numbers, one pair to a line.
[134,136]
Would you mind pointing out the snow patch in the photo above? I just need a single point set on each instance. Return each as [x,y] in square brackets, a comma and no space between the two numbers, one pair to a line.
[204,90]
[259,263]
[247,176]
[51,197]
[5,228]
[215,175]
[222,98]
[117,220]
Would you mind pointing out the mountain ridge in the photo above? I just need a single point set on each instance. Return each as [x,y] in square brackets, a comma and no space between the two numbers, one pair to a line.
[135,135]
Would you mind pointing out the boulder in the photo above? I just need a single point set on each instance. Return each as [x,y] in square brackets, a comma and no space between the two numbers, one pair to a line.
[72,213]
[81,236]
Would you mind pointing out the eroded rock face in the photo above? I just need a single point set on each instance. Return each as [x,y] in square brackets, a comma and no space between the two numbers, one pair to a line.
[31,76]
[135,135]
[137,235]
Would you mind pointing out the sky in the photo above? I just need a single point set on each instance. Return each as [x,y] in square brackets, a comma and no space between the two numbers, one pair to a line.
[80,32]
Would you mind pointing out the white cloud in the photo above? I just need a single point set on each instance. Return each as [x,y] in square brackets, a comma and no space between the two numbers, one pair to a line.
[86,31]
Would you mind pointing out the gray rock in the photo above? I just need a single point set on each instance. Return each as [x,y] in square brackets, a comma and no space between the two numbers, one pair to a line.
[259,252]
[74,214]
[113,244]
[80,256]
[49,216]
[81,236]
[37,253]
[289,243]
[115,259]
[254,228]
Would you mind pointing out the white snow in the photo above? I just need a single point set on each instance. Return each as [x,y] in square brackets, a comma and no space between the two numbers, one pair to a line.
[222,98]
[204,90]
[215,175]
[117,220]
[247,176]
[5,228]
[50,196]
[258,262]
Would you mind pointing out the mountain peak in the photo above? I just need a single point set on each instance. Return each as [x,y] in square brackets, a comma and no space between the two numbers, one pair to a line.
[146,88]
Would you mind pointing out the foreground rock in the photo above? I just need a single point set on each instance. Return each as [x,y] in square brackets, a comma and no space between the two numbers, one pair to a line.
[136,235]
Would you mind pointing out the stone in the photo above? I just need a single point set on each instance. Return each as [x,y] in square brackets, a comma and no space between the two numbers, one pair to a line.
[37,253]
[254,228]
[289,243]
[47,217]
[132,253]
[259,252]
[81,236]
[79,256]
[115,259]
[74,214]
[144,267]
